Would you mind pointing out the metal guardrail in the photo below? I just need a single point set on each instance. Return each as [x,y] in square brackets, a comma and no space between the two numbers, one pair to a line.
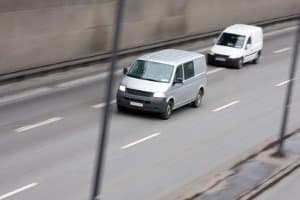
[131,50]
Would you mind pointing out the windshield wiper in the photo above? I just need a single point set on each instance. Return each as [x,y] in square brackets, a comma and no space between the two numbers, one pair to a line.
[133,76]
[149,79]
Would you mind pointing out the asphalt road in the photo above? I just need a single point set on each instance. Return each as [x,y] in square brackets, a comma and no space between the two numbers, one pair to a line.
[47,143]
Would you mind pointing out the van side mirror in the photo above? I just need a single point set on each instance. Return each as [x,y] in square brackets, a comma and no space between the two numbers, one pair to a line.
[177,80]
[248,46]
[215,40]
[125,70]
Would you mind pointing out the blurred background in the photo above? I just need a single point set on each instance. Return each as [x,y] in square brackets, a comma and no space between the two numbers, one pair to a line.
[54,31]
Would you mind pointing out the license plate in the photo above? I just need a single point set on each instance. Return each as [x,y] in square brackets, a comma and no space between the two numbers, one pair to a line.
[220,59]
[132,103]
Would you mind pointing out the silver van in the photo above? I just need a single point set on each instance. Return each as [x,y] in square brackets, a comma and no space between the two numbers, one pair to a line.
[163,81]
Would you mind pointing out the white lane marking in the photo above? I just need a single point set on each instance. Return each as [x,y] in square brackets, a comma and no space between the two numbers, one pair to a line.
[282,50]
[204,49]
[24,95]
[215,71]
[281,31]
[82,81]
[226,106]
[101,105]
[86,80]
[283,83]
[28,127]
[140,141]
[18,191]
[113,101]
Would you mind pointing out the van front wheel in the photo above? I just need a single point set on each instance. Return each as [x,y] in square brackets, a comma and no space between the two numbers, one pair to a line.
[168,111]
[121,108]
[239,63]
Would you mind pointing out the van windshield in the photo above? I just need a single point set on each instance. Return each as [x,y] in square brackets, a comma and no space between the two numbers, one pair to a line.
[151,71]
[231,40]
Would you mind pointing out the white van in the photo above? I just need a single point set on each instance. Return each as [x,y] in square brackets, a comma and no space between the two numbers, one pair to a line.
[236,45]
[163,81]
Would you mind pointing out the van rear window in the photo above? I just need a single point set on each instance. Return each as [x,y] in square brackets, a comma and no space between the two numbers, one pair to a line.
[231,40]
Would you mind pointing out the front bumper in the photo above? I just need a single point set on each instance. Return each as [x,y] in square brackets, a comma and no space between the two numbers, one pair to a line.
[150,104]
[229,62]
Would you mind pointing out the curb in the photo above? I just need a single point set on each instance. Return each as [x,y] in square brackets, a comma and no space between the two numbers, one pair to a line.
[275,178]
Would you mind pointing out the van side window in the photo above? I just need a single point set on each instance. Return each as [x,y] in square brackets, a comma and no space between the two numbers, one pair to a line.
[179,73]
[188,70]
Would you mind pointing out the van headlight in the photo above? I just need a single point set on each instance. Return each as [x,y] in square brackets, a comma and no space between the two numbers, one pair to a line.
[122,88]
[159,94]
[210,52]
[234,56]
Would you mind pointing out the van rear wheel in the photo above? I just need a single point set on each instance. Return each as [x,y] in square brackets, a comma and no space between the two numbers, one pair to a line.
[198,99]
[256,60]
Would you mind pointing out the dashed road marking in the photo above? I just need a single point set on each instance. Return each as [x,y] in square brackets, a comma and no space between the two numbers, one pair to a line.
[86,80]
[215,71]
[102,105]
[5,196]
[140,141]
[203,49]
[226,106]
[281,31]
[282,50]
[283,83]
[39,124]
[286,82]
[24,95]
[113,101]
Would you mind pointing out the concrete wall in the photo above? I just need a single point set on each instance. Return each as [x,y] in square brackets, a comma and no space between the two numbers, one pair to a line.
[41,32]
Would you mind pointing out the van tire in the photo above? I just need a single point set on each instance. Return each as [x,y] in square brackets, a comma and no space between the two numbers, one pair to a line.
[239,63]
[167,112]
[121,108]
[198,101]
[255,61]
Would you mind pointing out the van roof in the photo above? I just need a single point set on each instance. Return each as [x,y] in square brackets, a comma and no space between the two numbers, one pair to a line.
[242,29]
[171,56]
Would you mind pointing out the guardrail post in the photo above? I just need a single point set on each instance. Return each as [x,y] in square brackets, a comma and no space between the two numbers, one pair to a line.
[98,174]
[287,103]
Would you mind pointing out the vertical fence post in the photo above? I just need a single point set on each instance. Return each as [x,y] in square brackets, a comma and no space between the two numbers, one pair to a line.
[288,97]
[98,174]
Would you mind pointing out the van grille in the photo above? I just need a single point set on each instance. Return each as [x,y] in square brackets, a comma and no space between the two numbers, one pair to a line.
[139,92]
[221,56]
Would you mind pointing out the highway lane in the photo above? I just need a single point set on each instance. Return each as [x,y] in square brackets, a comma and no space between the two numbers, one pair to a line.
[192,145]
